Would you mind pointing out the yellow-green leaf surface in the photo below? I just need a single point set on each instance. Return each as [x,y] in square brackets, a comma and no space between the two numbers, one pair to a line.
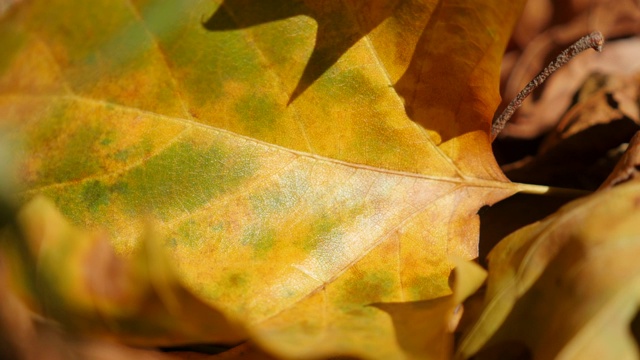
[301,159]
[572,278]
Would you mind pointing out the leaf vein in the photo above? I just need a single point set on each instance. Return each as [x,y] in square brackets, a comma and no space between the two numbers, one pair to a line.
[467,181]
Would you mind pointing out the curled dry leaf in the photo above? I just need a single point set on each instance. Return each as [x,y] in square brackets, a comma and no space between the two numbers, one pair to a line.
[628,166]
[583,148]
[304,160]
[537,45]
[572,279]
[535,119]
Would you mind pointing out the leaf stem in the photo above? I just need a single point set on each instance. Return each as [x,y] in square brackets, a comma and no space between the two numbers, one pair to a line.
[595,40]
[551,190]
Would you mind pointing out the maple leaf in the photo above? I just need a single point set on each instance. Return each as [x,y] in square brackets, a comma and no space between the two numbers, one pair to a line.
[549,275]
[291,216]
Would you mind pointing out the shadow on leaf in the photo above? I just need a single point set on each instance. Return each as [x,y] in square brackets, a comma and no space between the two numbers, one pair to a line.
[340,25]
[419,326]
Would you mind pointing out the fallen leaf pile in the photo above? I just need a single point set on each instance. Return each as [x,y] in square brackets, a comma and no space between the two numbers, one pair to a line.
[583,147]
[573,130]
[554,291]
[286,179]
[546,28]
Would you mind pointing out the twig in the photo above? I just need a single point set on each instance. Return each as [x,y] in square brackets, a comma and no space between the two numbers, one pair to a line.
[595,40]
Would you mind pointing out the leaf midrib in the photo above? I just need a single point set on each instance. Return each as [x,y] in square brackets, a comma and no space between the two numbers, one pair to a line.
[466,180]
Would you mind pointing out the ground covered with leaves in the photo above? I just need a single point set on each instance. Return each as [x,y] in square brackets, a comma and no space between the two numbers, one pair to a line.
[315,179]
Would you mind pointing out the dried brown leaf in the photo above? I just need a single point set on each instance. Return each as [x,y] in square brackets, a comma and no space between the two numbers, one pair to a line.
[566,287]
[628,168]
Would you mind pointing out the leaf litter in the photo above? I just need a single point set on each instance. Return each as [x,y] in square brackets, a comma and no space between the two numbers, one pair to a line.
[561,288]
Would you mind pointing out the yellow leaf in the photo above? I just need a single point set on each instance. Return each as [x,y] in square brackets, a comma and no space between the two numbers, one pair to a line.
[303,160]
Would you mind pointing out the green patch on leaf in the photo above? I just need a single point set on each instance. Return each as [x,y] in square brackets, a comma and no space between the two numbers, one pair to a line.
[74,161]
[221,62]
[258,111]
[260,239]
[95,194]
[182,178]
[424,286]
[364,287]
[191,233]
[345,86]
[322,230]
